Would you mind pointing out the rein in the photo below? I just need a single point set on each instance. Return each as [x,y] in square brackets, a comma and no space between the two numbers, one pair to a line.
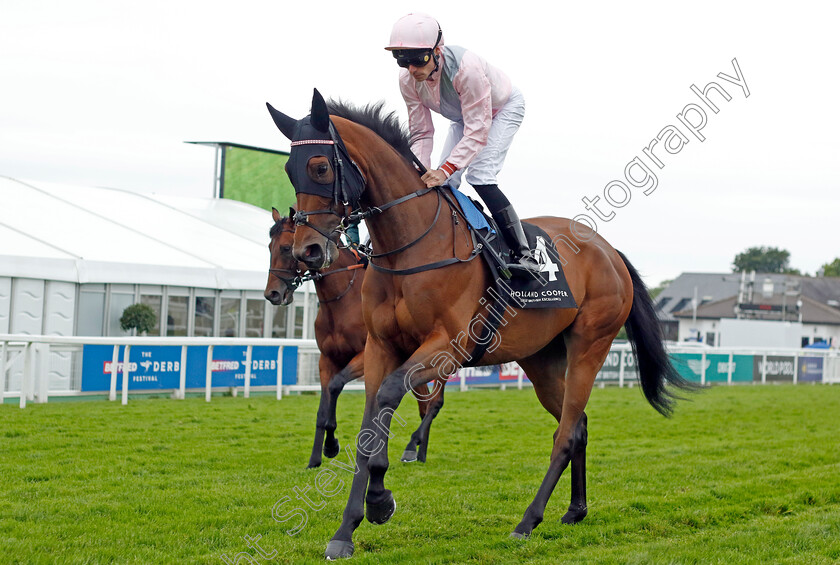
[476,251]
[317,276]
[340,195]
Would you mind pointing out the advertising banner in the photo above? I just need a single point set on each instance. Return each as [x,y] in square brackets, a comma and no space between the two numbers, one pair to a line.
[477,375]
[150,367]
[159,366]
[610,370]
[690,366]
[779,368]
[811,369]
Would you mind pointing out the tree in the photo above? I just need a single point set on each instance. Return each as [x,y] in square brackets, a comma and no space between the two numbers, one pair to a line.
[138,317]
[654,292]
[831,269]
[763,260]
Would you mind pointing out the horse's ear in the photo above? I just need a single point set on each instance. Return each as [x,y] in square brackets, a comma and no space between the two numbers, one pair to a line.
[292,212]
[283,122]
[320,116]
[275,215]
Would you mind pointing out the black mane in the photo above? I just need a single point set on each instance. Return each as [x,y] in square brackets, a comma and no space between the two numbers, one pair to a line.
[373,116]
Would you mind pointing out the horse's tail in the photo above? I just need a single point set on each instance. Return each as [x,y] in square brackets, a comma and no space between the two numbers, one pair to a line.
[645,334]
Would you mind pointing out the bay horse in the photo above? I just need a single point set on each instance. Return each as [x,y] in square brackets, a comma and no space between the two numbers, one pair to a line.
[340,334]
[424,297]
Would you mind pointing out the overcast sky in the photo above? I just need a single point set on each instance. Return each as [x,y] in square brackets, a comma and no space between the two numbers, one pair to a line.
[105,94]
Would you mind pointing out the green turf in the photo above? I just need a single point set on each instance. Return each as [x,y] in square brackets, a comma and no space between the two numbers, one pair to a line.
[745,474]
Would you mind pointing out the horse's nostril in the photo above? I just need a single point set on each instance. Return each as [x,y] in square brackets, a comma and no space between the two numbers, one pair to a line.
[313,253]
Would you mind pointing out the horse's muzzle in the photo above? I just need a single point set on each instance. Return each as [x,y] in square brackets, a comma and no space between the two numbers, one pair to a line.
[280,298]
[316,256]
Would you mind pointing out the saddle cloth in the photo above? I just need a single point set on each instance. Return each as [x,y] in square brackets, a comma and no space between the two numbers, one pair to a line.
[546,289]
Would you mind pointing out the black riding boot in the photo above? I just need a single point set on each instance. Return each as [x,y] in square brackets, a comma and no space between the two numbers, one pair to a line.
[510,226]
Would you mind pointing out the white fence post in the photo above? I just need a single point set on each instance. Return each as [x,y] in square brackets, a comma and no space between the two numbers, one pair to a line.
[729,368]
[42,365]
[279,372]
[764,369]
[208,377]
[520,373]
[3,351]
[703,369]
[115,358]
[248,351]
[621,369]
[24,382]
[796,368]
[125,375]
[182,380]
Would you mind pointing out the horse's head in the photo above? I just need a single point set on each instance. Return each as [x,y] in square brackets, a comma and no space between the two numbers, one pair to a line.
[327,182]
[283,274]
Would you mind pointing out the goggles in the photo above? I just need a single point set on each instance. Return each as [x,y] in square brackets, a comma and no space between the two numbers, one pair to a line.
[412,57]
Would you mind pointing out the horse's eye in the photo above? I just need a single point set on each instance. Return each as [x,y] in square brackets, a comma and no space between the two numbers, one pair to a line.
[323,169]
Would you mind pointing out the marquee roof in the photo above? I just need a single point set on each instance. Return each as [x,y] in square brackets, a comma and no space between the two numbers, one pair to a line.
[105,235]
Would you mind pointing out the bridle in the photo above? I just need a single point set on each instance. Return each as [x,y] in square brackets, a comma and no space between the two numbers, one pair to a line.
[293,282]
[298,277]
[318,276]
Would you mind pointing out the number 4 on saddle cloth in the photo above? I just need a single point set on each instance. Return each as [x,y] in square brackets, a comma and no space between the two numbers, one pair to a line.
[546,289]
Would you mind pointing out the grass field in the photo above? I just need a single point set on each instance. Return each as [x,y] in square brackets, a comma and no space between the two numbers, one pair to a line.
[739,475]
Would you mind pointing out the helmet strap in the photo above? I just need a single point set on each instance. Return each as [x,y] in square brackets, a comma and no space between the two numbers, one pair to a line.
[435,56]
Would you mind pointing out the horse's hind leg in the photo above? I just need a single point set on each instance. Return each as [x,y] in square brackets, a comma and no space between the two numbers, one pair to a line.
[577,507]
[552,392]
[566,402]
[419,442]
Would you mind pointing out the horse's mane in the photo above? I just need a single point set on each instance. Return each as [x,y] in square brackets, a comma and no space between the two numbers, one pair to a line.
[374,117]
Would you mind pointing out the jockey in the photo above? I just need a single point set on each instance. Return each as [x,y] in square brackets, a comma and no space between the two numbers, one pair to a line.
[485,111]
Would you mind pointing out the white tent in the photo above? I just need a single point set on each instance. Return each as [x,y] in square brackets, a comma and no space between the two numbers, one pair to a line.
[104,235]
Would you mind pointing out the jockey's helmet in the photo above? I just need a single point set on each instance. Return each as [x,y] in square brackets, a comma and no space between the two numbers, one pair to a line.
[415,31]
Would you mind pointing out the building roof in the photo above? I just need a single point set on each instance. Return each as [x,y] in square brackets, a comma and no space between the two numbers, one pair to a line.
[679,293]
[820,297]
[86,235]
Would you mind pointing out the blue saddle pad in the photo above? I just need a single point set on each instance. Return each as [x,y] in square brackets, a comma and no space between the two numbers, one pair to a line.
[474,216]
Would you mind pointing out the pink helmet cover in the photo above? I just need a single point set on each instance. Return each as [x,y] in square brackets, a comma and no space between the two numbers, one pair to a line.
[415,31]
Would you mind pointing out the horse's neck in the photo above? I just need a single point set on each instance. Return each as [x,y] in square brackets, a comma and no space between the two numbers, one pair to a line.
[403,223]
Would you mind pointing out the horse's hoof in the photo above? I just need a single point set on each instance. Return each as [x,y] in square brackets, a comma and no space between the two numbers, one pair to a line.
[517,535]
[574,515]
[331,449]
[313,465]
[381,512]
[409,456]
[338,549]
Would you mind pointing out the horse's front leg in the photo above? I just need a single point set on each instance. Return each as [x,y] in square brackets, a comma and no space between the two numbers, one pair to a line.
[326,372]
[416,371]
[378,363]
[353,370]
